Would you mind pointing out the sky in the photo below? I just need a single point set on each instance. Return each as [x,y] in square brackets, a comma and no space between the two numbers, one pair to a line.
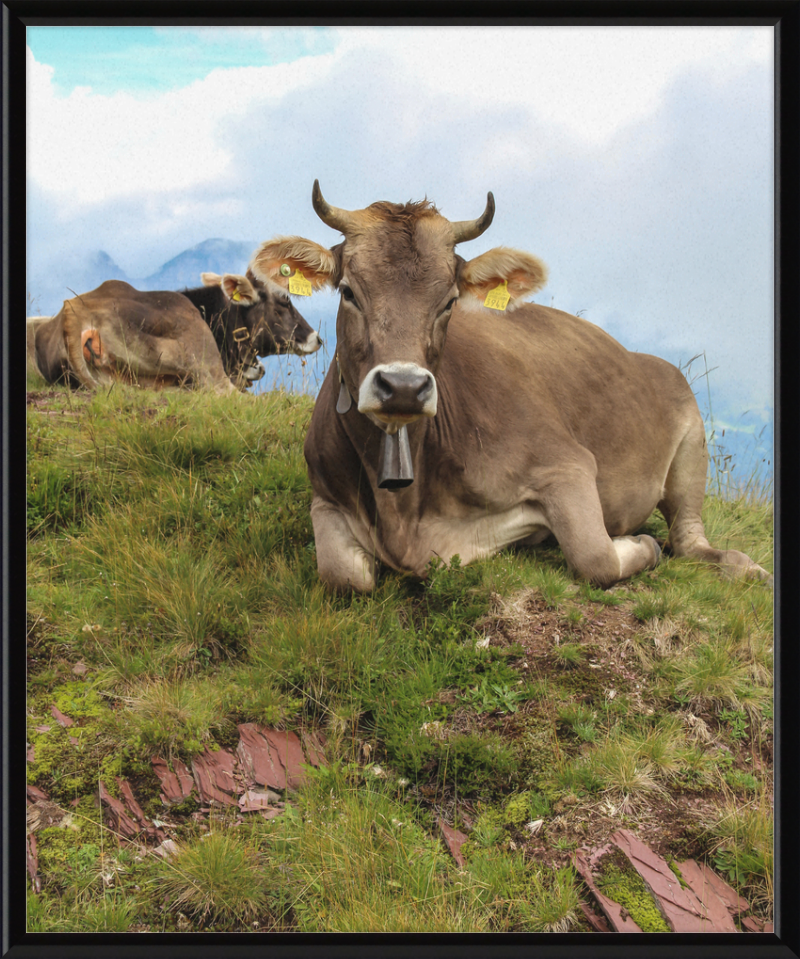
[637,162]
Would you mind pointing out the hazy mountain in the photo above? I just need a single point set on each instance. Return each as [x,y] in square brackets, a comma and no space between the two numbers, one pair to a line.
[214,256]
[73,275]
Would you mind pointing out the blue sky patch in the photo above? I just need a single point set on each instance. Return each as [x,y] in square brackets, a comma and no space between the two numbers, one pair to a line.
[150,59]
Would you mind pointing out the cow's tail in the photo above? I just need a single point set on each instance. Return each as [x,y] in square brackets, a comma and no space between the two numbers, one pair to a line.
[75,338]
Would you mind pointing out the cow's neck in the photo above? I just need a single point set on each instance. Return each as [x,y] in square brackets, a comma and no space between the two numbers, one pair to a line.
[396,510]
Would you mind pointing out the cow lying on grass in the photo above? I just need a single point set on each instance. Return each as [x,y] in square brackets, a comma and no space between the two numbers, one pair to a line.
[162,339]
[457,420]
[250,319]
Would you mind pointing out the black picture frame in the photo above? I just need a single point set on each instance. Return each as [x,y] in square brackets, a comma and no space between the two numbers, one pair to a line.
[16,943]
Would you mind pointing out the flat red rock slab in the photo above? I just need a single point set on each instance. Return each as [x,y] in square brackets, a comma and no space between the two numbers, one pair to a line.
[455,839]
[118,818]
[166,849]
[214,775]
[271,757]
[34,793]
[617,915]
[60,717]
[136,810]
[733,901]
[314,747]
[716,909]
[254,799]
[30,755]
[32,853]
[598,923]
[752,924]
[681,908]
[177,785]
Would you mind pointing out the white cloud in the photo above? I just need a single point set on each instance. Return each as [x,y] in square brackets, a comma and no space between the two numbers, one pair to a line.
[636,161]
[593,81]
[87,148]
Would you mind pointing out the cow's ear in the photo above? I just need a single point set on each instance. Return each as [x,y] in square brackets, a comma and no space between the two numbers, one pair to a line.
[279,259]
[239,289]
[211,279]
[522,272]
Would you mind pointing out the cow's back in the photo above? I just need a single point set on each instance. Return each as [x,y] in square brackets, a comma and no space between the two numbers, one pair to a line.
[155,313]
[155,338]
[563,370]
[524,393]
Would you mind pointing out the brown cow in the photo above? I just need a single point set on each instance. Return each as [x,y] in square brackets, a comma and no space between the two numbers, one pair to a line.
[512,425]
[162,338]
[118,333]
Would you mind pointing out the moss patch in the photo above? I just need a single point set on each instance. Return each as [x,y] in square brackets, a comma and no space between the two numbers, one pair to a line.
[618,880]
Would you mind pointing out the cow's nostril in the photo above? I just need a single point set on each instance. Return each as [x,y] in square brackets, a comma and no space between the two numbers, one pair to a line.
[385,386]
[426,388]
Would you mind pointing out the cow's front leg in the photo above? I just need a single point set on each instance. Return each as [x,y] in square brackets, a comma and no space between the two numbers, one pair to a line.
[342,561]
[575,517]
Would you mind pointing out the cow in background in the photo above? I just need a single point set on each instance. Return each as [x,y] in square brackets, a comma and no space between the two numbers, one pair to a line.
[118,333]
[250,319]
[161,338]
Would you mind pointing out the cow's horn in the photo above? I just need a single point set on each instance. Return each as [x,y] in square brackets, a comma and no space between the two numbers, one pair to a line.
[470,229]
[332,215]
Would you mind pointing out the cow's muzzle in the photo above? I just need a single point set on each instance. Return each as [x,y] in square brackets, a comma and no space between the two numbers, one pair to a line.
[310,344]
[397,393]
[253,372]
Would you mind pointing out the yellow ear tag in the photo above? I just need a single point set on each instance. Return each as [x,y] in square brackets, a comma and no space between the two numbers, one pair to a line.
[497,299]
[299,285]
[236,295]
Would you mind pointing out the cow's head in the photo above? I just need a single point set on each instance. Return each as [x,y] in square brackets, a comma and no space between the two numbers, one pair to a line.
[399,278]
[261,321]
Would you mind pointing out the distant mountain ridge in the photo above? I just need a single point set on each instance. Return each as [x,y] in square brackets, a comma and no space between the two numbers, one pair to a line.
[214,256]
[48,291]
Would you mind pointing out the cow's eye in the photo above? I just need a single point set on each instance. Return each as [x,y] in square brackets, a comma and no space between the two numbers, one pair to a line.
[347,293]
[450,305]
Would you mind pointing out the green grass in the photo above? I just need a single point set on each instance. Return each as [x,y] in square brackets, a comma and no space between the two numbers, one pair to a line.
[171,555]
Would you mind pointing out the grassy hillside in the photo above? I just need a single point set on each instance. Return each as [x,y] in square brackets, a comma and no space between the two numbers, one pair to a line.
[172,594]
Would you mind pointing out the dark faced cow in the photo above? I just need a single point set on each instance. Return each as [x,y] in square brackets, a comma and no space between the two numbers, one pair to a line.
[118,333]
[250,319]
[162,338]
[445,427]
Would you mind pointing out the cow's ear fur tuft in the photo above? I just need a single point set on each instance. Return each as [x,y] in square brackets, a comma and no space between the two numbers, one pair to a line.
[211,279]
[233,283]
[315,262]
[523,272]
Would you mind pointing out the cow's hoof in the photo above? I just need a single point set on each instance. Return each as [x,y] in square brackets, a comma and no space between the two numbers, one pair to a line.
[643,538]
[658,552]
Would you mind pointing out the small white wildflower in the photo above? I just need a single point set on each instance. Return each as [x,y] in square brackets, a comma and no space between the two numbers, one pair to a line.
[433,729]
[535,826]
[378,771]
